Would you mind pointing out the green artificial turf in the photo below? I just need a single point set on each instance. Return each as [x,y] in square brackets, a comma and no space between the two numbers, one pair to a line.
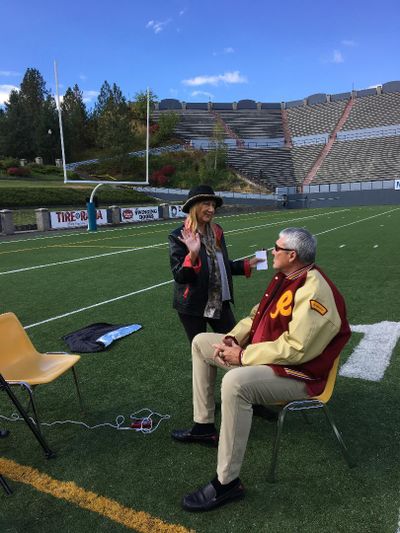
[316,491]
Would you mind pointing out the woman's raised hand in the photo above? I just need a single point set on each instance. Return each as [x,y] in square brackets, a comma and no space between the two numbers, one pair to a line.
[192,242]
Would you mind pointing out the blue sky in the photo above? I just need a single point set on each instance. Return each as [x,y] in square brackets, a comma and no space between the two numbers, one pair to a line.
[203,50]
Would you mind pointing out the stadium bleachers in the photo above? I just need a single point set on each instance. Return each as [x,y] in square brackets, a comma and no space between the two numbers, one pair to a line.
[374,111]
[314,119]
[193,123]
[253,123]
[303,159]
[361,160]
[271,166]
[280,144]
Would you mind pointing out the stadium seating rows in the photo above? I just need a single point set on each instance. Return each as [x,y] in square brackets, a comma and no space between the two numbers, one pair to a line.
[374,158]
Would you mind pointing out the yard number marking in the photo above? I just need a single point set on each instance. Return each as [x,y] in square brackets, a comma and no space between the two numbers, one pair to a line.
[371,357]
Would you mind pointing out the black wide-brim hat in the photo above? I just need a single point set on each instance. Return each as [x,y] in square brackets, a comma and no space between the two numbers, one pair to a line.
[201,193]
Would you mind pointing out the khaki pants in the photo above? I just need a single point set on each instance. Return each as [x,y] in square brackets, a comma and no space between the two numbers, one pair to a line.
[241,387]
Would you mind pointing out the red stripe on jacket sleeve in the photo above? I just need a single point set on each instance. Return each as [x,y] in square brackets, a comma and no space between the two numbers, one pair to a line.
[188,264]
[247,268]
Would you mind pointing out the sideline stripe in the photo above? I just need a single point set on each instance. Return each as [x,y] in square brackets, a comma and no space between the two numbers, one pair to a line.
[170,281]
[67,490]
[240,230]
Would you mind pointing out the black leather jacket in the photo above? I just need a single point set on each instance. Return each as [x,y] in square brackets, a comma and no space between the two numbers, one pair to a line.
[191,288]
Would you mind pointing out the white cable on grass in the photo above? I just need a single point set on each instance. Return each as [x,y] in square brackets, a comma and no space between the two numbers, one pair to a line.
[118,425]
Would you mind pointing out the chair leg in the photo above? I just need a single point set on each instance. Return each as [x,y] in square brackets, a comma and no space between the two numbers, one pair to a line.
[78,389]
[32,402]
[5,486]
[339,437]
[279,427]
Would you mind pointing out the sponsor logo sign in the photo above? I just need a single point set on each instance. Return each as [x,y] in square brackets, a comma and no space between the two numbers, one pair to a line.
[139,214]
[397,185]
[75,219]
[175,211]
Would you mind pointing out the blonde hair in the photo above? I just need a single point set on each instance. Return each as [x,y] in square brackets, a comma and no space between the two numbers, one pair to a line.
[192,224]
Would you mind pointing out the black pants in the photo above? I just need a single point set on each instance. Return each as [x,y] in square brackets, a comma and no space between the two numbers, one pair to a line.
[198,324]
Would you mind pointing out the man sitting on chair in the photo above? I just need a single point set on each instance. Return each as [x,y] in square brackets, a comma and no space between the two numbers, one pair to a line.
[283,351]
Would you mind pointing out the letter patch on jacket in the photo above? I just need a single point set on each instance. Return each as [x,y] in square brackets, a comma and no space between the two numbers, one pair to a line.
[283,305]
[318,307]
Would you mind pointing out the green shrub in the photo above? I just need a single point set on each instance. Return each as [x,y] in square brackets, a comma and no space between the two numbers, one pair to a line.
[46,169]
[8,162]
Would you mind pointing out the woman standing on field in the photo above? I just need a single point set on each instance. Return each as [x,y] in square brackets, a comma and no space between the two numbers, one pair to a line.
[202,270]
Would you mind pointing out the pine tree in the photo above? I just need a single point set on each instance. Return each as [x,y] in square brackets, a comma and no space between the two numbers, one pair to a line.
[33,94]
[17,132]
[48,133]
[139,105]
[75,123]
[114,129]
[2,133]
[29,114]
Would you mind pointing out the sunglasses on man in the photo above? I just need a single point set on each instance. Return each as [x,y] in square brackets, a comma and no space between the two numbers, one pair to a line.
[277,248]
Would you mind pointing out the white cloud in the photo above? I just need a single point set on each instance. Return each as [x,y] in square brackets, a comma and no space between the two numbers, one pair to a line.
[5,92]
[9,73]
[89,96]
[202,93]
[227,77]
[226,50]
[83,77]
[182,12]
[337,57]
[157,25]
[374,86]
[349,42]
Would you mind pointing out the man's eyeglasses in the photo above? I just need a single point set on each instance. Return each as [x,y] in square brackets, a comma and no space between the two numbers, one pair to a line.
[277,248]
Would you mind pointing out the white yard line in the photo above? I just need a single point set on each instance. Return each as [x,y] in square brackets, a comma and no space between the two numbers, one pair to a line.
[99,304]
[67,261]
[170,281]
[79,259]
[357,221]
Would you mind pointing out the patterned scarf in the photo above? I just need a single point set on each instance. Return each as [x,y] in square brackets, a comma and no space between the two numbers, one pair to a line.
[214,302]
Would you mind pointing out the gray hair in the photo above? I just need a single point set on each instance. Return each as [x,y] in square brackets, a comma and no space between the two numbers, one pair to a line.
[302,242]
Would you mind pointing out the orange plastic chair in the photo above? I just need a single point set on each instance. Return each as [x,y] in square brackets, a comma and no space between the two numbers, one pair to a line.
[316,402]
[21,364]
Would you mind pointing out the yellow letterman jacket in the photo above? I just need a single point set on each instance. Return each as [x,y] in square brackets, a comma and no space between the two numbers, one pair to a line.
[298,328]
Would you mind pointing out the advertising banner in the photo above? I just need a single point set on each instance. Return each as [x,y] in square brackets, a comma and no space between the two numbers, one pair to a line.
[397,185]
[75,219]
[175,211]
[139,214]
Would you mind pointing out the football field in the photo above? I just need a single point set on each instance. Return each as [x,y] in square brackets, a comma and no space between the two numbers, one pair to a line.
[104,479]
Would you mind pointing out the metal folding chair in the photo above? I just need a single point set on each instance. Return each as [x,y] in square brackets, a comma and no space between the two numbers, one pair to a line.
[317,402]
[21,364]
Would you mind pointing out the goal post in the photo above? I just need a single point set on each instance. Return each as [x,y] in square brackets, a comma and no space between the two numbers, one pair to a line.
[91,208]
